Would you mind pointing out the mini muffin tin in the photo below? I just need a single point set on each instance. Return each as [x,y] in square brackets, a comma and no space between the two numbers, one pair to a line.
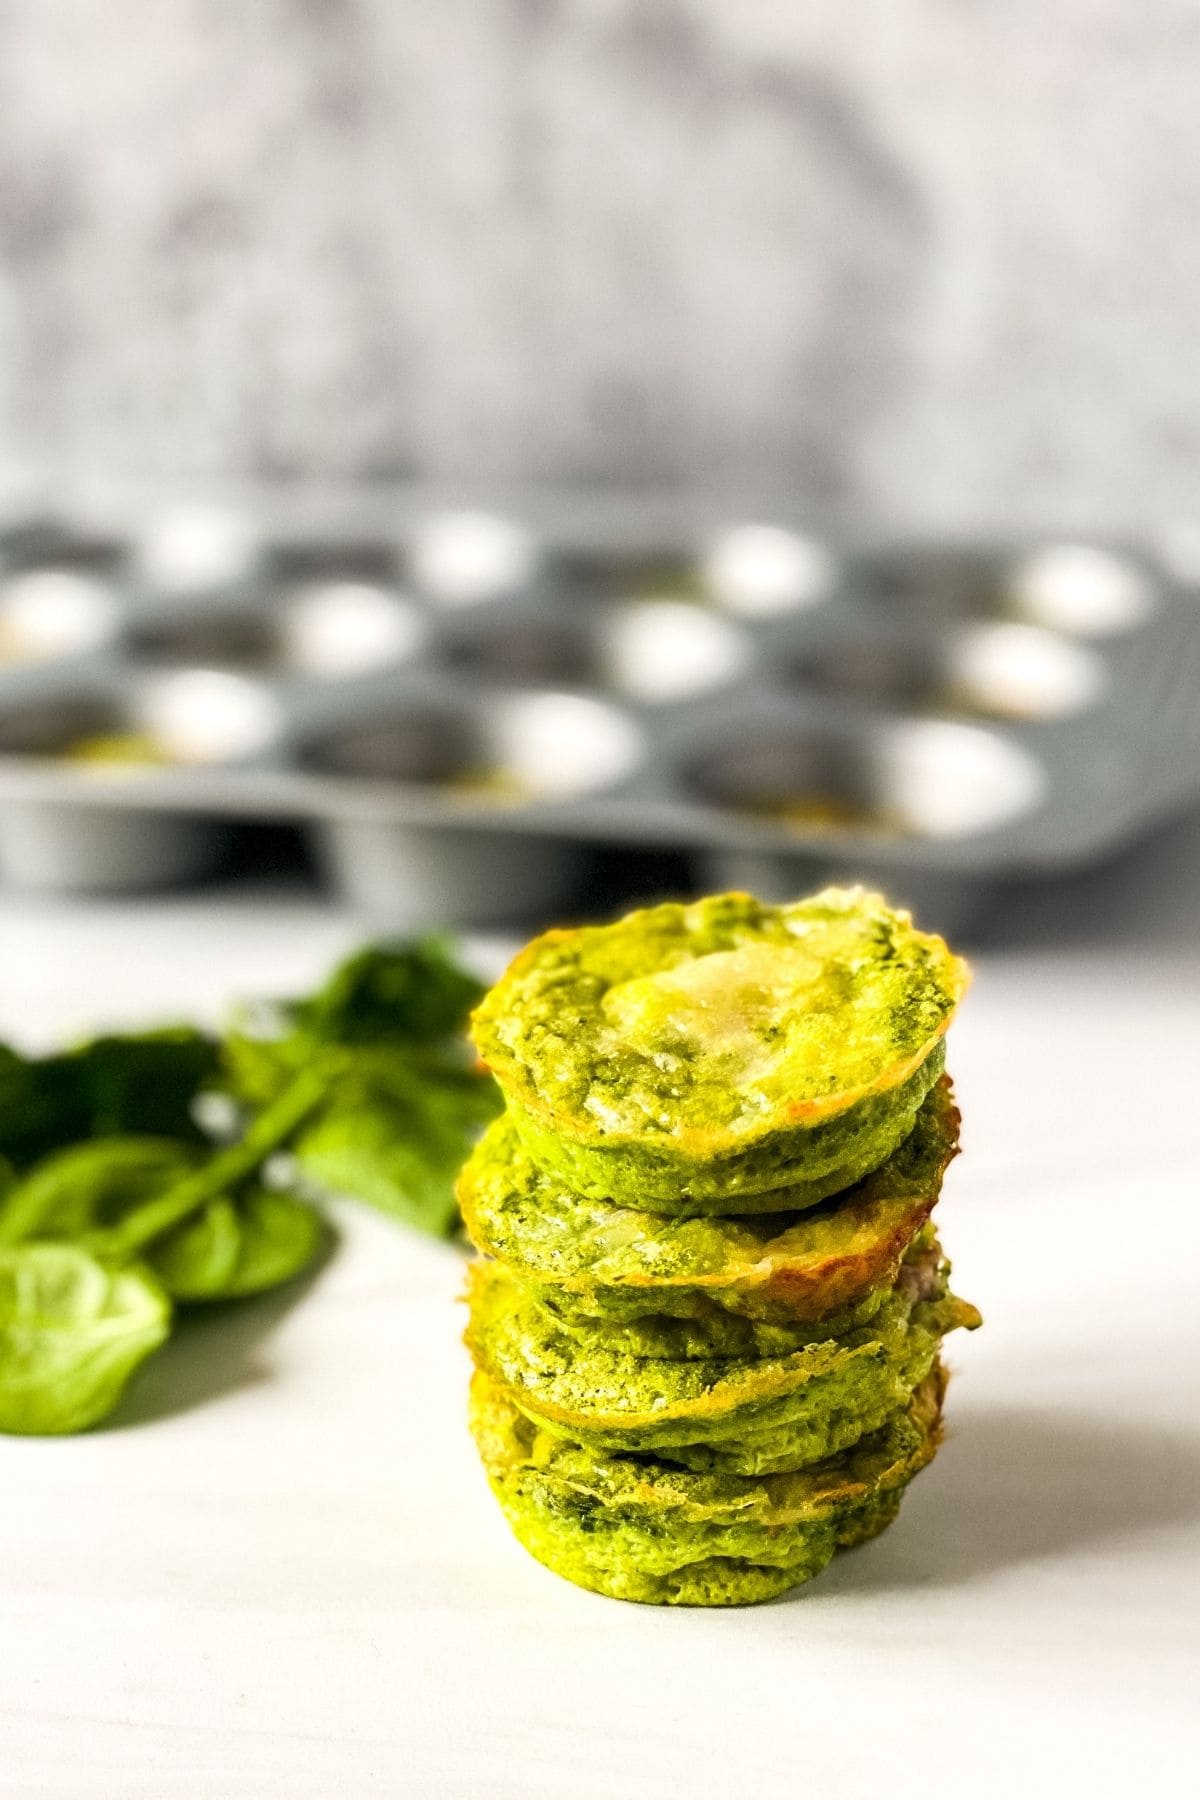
[452,704]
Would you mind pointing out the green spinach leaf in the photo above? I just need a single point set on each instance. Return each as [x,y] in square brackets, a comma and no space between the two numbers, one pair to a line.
[113,1200]
[405,1101]
[234,1249]
[408,993]
[73,1329]
[394,1132]
[141,1084]
[39,1105]
[233,1246]
[144,1084]
[91,1185]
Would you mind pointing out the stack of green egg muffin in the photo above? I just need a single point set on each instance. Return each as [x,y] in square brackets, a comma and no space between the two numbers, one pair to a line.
[707,1317]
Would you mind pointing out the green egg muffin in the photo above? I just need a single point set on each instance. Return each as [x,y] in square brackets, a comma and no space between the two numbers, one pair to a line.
[692,1059]
[730,1334]
[640,1529]
[589,1260]
[747,1415]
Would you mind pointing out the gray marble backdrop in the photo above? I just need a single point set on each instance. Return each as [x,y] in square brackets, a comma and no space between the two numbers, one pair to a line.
[931,258]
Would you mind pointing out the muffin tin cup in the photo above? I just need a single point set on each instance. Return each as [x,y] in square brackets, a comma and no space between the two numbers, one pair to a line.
[103,850]
[455,723]
[412,874]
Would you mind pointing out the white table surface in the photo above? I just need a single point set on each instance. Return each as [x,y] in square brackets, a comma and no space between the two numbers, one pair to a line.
[280,1573]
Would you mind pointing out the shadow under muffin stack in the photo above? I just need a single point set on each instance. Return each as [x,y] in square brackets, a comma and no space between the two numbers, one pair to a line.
[707,1317]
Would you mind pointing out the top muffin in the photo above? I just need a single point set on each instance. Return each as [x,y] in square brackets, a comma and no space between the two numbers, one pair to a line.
[698,1057]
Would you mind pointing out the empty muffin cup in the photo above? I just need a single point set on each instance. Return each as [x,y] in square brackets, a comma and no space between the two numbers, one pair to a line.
[762,571]
[374,560]
[944,580]
[653,652]
[321,630]
[525,648]
[511,749]
[661,651]
[510,753]
[999,669]
[922,778]
[1082,589]
[47,614]
[113,742]
[192,549]
[193,719]
[337,630]
[102,849]
[461,558]
[617,574]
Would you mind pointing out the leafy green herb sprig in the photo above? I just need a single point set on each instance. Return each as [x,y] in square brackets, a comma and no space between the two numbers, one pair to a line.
[115,1206]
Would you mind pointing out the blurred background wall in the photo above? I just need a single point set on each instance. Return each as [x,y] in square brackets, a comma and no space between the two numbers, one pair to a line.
[928,258]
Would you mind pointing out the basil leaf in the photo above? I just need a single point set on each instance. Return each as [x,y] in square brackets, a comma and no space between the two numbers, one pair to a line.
[72,1331]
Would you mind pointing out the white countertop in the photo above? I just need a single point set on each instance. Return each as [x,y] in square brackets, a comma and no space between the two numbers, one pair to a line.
[280,1576]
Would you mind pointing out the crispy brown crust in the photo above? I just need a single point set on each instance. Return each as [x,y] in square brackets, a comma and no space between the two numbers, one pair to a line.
[802,1285]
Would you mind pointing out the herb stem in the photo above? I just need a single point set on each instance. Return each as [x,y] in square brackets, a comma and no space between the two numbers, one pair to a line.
[222,1173]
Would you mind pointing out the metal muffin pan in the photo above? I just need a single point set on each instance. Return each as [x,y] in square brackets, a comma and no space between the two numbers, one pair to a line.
[454,705]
